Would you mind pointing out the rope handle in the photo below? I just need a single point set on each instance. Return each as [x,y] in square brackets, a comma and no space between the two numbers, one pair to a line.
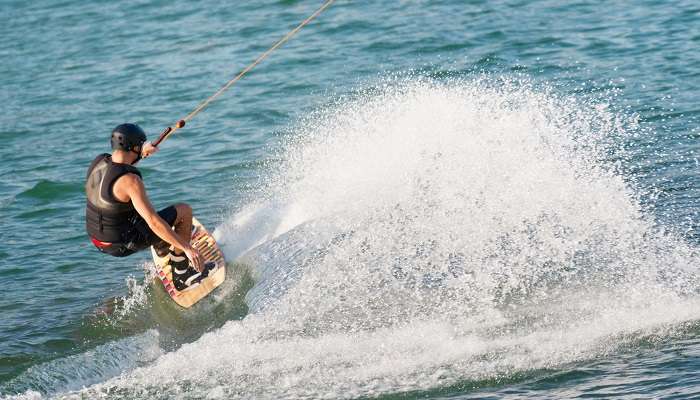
[168,131]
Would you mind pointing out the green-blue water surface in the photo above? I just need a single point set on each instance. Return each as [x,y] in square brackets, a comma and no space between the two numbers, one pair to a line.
[71,70]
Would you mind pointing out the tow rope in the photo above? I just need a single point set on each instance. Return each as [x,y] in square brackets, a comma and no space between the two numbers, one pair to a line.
[181,123]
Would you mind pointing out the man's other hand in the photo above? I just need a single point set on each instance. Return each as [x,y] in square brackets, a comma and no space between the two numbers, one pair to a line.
[195,258]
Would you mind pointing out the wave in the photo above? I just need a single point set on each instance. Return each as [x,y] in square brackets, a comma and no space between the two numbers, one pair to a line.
[426,234]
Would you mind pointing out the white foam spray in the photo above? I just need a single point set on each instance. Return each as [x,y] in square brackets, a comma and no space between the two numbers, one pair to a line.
[432,234]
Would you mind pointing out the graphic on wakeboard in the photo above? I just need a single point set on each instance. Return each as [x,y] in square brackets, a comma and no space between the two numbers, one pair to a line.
[213,260]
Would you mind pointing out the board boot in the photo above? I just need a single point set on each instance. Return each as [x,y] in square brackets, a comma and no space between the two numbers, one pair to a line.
[184,275]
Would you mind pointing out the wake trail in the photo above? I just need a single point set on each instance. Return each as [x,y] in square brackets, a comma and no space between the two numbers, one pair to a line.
[429,234]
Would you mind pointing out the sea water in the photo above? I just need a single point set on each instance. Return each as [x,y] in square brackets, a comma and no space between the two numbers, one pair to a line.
[418,199]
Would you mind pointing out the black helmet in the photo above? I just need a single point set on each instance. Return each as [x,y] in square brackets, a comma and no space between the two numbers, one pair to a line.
[127,137]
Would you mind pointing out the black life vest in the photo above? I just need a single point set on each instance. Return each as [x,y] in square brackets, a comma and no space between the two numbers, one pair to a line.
[106,218]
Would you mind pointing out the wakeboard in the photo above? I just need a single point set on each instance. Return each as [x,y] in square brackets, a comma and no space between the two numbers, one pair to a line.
[205,244]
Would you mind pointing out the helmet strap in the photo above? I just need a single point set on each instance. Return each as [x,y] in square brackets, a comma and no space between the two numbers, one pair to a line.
[138,156]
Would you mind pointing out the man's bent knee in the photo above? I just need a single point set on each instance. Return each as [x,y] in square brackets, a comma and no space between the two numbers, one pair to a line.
[184,211]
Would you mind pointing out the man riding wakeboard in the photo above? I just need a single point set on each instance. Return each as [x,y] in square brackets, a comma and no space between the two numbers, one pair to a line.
[120,218]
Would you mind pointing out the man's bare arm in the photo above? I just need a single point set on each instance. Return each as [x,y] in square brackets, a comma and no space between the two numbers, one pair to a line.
[133,187]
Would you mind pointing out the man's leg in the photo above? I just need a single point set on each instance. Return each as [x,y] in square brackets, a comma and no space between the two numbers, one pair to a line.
[184,275]
[183,223]
[179,216]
